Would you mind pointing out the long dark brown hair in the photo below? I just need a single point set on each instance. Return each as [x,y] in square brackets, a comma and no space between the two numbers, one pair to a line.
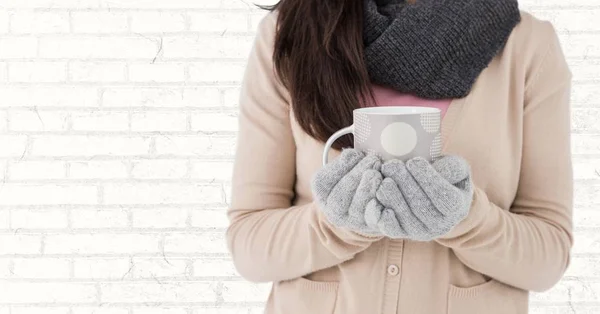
[318,56]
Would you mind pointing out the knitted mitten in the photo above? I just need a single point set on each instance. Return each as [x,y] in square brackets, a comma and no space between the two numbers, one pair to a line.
[422,201]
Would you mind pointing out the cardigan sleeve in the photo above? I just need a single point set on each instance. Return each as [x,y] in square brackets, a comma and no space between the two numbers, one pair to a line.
[529,246]
[269,239]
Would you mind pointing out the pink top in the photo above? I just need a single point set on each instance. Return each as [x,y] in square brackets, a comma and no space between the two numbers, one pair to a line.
[385,96]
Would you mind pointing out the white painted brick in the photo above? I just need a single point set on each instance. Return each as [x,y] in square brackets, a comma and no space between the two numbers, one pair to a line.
[588,242]
[97,71]
[207,242]
[18,47]
[211,122]
[586,217]
[159,310]
[4,219]
[158,121]
[98,310]
[217,72]
[99,218]
[583,267]
[176,4]
[197,145]
[157,22]
[4,23]
[16,194]
[201,97]
[42,292]
[44,4]
[39,219]
[242,309]
[206,267]
[161,267]
[580,45]
[207,47]
[573,307]
[68,96]
[585,95]
[3,170]
[157,292]
[3,72]
[101,243]
[24,170]
[37,120]
[4,310]
[227,189]
[212,170]
[586,120]
[153,169]
[99,22]
[586,169]
[585,144]
[89,145]
[570,290]
[39,310]
[161,97]
[39,22]
[159,218]
[161,193]
[98,169]
[97,47]
[100,121]
[587,194]
[20,244]
[5,270]
[202,218]
[163,72]
[206,22]
[37,71]
[585,69]
[240,291]
[231,97]
[41,267]
[571,20]
[101,268]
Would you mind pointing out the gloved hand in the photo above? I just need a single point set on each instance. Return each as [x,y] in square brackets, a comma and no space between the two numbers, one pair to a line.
[422,201]
[346,187]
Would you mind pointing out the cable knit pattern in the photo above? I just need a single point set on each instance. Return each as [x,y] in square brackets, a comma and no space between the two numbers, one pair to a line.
[434,48]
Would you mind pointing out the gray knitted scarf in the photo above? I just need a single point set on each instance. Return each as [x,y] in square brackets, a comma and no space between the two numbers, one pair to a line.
[434,48]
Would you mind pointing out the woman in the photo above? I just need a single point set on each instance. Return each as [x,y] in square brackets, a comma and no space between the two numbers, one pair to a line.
[469,234]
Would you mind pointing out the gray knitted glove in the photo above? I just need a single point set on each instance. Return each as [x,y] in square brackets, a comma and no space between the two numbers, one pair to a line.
[346,187]
[422,201]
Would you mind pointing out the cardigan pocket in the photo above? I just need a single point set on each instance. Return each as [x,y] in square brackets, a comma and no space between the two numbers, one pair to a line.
[301,296]
[492,297]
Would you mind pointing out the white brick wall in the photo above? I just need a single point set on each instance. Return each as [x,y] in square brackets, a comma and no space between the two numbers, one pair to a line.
[117,128]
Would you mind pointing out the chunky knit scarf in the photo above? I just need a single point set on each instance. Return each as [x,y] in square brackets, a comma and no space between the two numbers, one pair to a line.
[434,48]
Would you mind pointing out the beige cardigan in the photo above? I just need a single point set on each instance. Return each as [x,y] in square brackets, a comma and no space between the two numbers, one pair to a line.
[513,128]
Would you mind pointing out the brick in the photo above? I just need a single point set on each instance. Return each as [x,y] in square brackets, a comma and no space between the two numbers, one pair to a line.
[83,47]
[5,271]
[586,120]
[31,170]
[586,169]
[570,291]
[20,244]
[157,292]
[100,121]
[204,97]
[3,72]
[211,122]
[71,96]
[242,291]
[98,169]
[39,22]
[217,72]
[196,145]
[101,268]
[4,219]
[37,71]
[39,310]
[585,69]
[207,267]
[99,310]
[39,219]
[582,267]
[101,243]
[40,267]
[147,22]
[45,4]
[242,309]
[585,144]
[97,71]
[47,194]
[18,47]
[572,307]
[159,217]
[42,292]
[587,194]
[154,169]
[161,193]
[207,242]
[176,4]
[141,97]
[585,95]
[202,218]
[231,97]
[212,170]
[3,28]
[79,145]
[158,310]
[159,267]
[38,120]
[158,121]
[164,72]
[207,47]
[221,22]
[586,217]
[580,44]
[571,20]
[100,218]
[99,22]
[587,242]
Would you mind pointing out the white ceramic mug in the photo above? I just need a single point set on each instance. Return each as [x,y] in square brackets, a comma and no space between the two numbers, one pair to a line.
[394,132]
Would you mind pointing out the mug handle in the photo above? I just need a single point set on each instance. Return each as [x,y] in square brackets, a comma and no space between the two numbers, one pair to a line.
[333,138]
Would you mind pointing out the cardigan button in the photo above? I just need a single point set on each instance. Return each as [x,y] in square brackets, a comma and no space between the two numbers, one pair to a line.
[393,270]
